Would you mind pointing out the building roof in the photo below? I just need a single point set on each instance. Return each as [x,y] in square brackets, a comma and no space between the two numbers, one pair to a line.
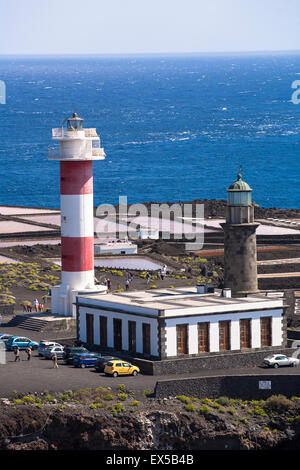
[178,301]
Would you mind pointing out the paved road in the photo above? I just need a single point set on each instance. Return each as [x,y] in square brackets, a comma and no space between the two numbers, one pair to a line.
[38,375]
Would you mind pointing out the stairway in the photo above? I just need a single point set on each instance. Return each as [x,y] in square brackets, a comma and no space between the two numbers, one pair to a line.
[28,323]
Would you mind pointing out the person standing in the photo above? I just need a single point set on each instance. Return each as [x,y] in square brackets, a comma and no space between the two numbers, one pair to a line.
[127,284]
[108,284]
[36,305]
[17,354]
[55,361]
[148,277]
[28,350]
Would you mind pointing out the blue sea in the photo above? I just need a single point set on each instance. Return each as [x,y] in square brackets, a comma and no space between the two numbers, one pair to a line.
[173,127]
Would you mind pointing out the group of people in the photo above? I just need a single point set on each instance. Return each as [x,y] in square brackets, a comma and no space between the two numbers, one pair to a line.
[35,306]
[128,281]
[17,353]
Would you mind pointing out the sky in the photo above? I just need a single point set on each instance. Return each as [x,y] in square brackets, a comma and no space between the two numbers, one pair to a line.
[148,26]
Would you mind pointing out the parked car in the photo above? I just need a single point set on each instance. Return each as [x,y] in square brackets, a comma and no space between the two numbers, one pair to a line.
[102,361]
[85,360]
[45,345]
[49,352]
[21,342]
[118,367]
[277,360]
[4,337]
[70,353]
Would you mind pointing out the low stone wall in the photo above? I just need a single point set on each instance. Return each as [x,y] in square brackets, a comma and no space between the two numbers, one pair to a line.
[293,334]
[7,309]
[246,387]
[212,361]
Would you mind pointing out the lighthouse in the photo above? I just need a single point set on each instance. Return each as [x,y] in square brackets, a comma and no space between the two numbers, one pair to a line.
[240,258]
[78,147]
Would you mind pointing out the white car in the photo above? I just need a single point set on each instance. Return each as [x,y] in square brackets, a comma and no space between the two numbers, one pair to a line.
[58,350]
[277,360]
[44,345]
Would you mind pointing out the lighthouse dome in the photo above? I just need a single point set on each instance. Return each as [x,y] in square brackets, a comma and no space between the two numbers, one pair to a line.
[239,185]
[239,193]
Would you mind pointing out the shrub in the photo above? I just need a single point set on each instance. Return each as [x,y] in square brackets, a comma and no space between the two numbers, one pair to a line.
[135,403]
[260,411]
[207,401]
[122,396]
[121,388]
[224,401]
[190,408]
[231,411]
[243,420]
[28,399]
[108,397]
[183,399]
[146,393]
[94,406]
[49,398]
[277,404]
[203,410]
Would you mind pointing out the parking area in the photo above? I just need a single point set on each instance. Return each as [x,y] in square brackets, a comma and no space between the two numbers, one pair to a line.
[38,375]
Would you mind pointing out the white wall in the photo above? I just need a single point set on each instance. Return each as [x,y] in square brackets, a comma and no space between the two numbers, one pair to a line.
[125,317]
[213,320]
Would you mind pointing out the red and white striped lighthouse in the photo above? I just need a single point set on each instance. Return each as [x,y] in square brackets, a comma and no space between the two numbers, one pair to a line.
[78,147]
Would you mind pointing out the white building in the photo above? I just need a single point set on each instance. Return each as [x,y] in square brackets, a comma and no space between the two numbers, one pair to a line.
[168,323]
[116,248]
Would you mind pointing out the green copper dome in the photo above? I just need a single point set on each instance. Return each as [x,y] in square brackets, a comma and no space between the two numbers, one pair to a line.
[239,193]
[239,185]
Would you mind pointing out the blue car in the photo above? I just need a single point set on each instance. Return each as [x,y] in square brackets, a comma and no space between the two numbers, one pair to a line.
[85,360]
[21,342]
[5,337]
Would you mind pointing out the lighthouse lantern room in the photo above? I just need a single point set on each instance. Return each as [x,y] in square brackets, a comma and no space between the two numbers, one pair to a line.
[78,147]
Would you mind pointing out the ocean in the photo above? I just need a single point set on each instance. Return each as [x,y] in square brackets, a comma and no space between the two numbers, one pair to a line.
[173,127]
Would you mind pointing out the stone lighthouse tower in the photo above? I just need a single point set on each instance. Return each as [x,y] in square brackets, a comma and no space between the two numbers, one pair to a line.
[78,147]
[240,261]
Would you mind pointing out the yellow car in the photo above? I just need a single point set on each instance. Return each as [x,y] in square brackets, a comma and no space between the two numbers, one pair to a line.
[119,367]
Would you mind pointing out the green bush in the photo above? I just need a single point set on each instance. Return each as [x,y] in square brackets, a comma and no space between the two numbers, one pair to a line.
[135,403]
[224,401]
[108,397]
[203,410]
[190,408]
[122,396]
[278,404]
[183,399]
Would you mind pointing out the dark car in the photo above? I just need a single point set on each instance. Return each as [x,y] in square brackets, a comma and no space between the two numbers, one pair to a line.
[102,361]
[85,360]
[70,352]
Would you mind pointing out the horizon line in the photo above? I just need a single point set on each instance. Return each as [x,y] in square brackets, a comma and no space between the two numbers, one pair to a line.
[73,54]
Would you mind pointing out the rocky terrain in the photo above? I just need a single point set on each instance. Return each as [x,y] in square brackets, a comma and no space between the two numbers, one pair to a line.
[181,423]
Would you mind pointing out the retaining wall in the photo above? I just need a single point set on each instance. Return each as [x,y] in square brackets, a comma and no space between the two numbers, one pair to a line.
[245,387]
